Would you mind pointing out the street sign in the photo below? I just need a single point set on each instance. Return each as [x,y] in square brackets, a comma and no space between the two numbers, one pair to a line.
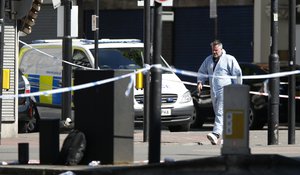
[163,2]
[94,22]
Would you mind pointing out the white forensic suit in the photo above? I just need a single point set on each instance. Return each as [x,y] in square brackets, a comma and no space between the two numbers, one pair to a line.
[226,66]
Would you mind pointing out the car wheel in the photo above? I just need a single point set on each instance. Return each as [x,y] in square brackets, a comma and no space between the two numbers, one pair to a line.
[22,127]
[194,116]
[31,125]
[179,128]
[197,121]
[256,119]
[28,126]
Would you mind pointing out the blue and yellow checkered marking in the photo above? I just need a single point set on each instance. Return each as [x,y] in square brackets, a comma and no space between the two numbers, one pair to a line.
[43,83]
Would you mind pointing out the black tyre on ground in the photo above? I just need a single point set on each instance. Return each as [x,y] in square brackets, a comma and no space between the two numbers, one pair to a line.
[32,124]
[198,121]
[257,118]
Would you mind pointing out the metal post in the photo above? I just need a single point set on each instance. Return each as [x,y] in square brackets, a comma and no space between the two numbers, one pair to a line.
[49,140]
[2,21]
[67,56]
[147,35]
[273,116]
[151,32]
[96,35]
[292,83]
[216,28]
[213,15]
[23,153]
[155,91]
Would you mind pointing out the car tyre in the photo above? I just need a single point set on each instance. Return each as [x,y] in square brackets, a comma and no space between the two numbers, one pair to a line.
[198,121]
[31,125]
[22,127]
[256,119]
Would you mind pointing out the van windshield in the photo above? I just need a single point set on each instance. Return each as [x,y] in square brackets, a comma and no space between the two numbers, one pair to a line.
[121,58]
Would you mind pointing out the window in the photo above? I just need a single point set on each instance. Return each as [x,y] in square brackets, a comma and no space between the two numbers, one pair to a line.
[120,58]
[80,58]
[46,61]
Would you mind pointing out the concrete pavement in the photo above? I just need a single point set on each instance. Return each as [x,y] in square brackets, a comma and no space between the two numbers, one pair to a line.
[188,150]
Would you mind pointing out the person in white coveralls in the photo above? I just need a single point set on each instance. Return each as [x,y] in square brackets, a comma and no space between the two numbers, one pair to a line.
[218,69]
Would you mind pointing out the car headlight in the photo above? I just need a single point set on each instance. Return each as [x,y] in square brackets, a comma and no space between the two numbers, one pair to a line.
[186,97]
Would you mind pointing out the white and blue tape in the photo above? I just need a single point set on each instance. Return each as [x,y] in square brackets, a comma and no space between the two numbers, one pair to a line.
[145,69]
[131,75]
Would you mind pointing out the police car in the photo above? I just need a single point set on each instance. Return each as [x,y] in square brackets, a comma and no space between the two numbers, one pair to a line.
[42,63]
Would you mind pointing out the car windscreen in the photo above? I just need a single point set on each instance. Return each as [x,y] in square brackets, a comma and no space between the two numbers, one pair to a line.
[121,58]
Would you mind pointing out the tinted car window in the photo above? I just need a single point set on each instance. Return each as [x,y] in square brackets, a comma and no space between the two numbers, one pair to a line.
[80,58]
[120,58]
[251,69]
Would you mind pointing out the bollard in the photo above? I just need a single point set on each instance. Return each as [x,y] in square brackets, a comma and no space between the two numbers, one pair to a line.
[23,153]
[236,120]
[49,140]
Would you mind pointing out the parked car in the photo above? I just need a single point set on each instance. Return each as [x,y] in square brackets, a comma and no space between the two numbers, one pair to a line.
[258,109]
[45,72]
[27,110]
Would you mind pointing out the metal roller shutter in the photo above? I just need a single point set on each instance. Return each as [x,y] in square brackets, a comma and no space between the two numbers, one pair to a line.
[8,105]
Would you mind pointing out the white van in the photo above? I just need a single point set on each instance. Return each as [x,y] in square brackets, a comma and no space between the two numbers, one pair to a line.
[41,62]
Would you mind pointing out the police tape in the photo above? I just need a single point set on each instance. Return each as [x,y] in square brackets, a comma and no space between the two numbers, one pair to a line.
[266,94]
[263,76]
[251,92]
[146,68]
[81,86]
